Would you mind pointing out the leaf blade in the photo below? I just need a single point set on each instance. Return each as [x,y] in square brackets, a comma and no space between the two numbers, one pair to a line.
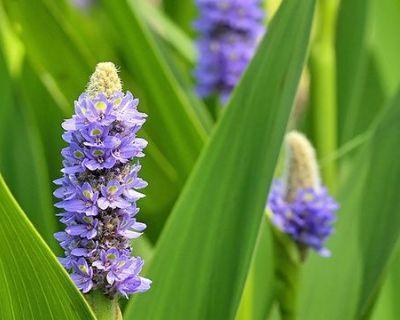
[28,266]
[367,231]
[207,264]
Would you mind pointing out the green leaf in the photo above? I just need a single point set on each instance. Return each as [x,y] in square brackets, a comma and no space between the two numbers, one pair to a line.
[259,293]
[183,14]
[345,286]
[357,77]
[174,44]
[387,306]
[202,258]
[385,21]
[173,122]
[22,158]
[33,284]
[42,25]
[166,29]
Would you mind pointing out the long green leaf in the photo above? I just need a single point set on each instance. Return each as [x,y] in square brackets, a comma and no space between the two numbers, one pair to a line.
[174,44]
[183,14]
[345,286]
[33,284]
[40,28]
[385,20]
[22,158]
[388,307]
[166,28]
[203,255]
[352,69]
[259,293]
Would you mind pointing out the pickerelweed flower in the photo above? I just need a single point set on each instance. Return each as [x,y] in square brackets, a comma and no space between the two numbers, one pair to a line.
[229,32]
[98,190]
[301,206]
[83,4]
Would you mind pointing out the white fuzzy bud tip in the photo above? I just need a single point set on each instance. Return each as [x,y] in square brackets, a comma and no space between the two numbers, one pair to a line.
[105,80]
[301,165]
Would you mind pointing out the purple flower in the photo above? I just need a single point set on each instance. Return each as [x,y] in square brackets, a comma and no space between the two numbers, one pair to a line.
[130,228]
[112,196]
[84,202]
[308,219]
[83,275]
[98,190]
[229,32]
[133,283]
[98,158]
[87,228]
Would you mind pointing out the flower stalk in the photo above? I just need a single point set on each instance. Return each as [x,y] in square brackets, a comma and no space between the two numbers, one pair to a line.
[103,307]
[287,273]
[323,87]
[303,214]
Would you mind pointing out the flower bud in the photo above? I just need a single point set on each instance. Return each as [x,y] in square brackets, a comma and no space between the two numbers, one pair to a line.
[300,206]
[104,80]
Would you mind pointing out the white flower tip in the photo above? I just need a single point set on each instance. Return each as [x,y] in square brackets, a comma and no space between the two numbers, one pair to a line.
[104,80]
[301,165]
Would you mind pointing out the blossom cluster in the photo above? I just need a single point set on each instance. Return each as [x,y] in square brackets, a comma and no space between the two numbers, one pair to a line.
[98,193]
[301,206]
[308,219]
[229,31]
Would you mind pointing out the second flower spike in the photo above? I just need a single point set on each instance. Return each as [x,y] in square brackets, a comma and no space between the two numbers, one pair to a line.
[229,32]
[301,206]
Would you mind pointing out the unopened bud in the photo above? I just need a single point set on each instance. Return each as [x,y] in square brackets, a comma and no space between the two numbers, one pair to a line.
[105,80]
[301,165]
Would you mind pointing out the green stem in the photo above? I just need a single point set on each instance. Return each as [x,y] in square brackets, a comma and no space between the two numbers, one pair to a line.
[323,87]
[287,270]
[103,307]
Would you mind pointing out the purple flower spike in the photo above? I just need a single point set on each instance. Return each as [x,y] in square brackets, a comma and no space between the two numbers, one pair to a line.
[301,206]
[229,32]
[98,191]
[308,219]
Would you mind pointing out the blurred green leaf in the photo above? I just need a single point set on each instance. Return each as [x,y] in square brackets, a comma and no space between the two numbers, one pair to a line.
[33,284]
[388,306]
[183,12]
[202,258]
[174,45]
[22,158]
[357,78]
[344,287]
[44,117]
[166,28]
[385,24]
[41,26]
[183,74]
[259,292]
[173,124]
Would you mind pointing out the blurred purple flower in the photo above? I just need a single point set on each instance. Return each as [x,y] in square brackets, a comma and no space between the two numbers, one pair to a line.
[83,4]
[229,32]
[308,219]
